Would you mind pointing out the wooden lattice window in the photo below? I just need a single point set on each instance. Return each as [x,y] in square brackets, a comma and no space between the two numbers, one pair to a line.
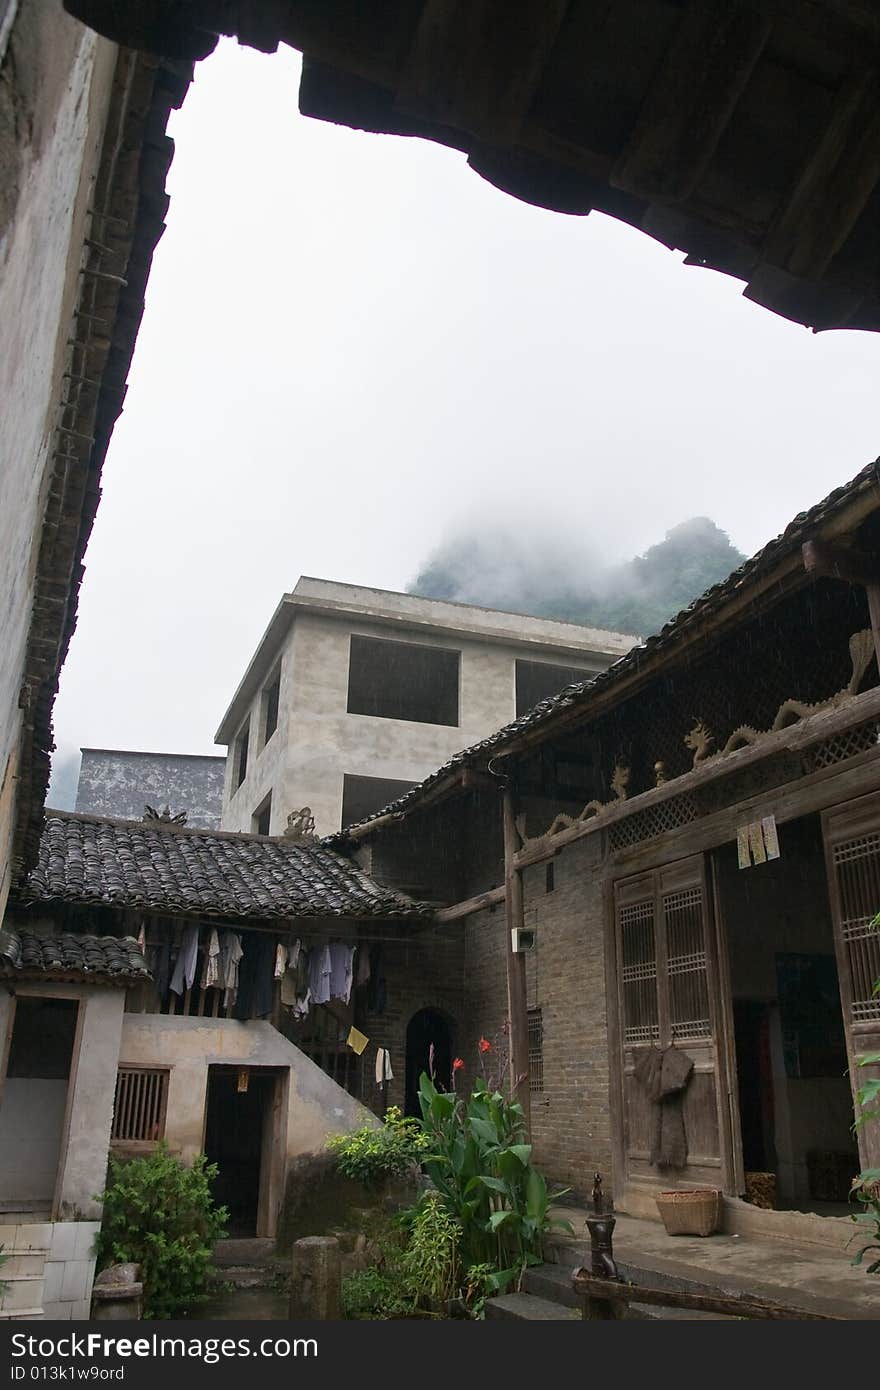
[536,1051]
[686,964]
[638,954]
[140,1105]
[858,878]
[662,956]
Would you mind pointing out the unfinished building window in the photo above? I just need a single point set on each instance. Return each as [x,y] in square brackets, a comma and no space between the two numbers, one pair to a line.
[403,680]
[538,680]
[271,697]
[363,796]
[139,1107]
[262,816]
[240,757]
[536,1051]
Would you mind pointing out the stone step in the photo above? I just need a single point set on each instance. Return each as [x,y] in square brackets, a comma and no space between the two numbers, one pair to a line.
[238,1253]
[552,1282]
[244,1276]
[528,1307]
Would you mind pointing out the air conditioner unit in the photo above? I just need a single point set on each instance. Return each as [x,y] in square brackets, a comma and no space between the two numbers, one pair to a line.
[523,939]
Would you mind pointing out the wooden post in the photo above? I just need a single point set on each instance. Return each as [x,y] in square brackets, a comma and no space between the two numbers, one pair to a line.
[516,963]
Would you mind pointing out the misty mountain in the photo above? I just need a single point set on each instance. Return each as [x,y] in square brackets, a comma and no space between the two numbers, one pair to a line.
[501,567]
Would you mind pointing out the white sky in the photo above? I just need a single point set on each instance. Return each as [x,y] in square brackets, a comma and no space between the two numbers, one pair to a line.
[352,342]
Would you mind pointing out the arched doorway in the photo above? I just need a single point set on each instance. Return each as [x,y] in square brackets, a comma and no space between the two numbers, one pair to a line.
[426,1027]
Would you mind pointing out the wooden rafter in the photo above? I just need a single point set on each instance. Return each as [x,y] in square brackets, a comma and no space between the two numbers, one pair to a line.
[476,64]
[692,98]
[834,185]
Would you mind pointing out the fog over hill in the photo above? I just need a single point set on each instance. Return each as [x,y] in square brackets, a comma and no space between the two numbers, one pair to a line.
[517,568]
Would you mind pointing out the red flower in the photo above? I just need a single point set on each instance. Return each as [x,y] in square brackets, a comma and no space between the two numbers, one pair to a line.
[485,1045]
[457,1064]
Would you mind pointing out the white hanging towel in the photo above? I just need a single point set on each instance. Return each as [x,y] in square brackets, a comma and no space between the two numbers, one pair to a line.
[211,972]
[383,1066]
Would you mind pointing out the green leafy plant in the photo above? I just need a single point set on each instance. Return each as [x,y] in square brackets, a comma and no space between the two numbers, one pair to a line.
[371,1154]
[482,1167]
[480,1281]
[430,1260]
[160,1214]
[866,1190]
[376,1294]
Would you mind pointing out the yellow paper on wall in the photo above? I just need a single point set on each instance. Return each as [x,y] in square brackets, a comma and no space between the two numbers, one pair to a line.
[356,1040]
[756,842]
[742,847]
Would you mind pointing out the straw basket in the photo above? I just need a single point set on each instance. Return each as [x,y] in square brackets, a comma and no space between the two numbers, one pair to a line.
[690,1211]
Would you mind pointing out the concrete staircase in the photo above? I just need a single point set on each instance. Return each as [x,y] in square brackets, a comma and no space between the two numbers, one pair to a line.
[22,1273]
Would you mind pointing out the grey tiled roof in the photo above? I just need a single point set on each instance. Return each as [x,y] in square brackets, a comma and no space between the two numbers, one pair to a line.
[800,529]
[25,951]
[172,869]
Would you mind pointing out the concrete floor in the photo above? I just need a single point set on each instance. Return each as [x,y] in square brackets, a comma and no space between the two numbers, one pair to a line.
[816,1277]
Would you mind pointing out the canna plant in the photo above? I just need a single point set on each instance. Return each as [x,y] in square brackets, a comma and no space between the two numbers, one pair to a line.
[482,1166]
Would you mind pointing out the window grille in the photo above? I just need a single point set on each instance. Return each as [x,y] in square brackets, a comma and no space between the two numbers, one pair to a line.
[140,1105]
[858,878]
[536,1051]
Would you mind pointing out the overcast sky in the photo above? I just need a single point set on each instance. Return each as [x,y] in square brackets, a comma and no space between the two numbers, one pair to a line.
[352,343]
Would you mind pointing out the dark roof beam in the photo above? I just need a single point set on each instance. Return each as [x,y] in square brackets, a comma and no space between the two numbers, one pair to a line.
[834,186]
[476,64]
[692,98]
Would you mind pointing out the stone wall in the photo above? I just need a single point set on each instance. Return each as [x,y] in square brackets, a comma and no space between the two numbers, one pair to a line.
[55,85]
[571,1126]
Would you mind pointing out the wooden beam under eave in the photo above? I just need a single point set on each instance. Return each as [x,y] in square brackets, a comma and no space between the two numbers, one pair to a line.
[834,186]
[476,64]
[822,559]
[457,911]
[692,99]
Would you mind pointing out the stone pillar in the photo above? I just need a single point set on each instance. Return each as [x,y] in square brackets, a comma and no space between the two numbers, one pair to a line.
[316,1279]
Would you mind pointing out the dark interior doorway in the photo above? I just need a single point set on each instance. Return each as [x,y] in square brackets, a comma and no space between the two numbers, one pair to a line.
[425,1028]
[795,1100]
[236,1128]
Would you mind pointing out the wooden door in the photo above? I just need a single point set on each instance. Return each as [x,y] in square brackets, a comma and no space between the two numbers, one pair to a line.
[668,993]
[852,852]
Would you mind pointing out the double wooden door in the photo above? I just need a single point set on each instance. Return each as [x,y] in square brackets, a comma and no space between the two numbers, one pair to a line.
[672,990]
[668,995]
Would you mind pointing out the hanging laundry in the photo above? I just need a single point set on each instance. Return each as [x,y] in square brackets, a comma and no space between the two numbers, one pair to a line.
[319,974]
[256,977]
[356,1040]
[230,957]
[363,967]
[142,938]
[187,956]
[280,960]
[383,1066]
[341,965]
[376,998]
[211,971]
[294,949]
[161,967]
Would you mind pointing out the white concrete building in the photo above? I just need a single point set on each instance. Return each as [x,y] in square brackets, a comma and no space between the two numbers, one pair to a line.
[355,694]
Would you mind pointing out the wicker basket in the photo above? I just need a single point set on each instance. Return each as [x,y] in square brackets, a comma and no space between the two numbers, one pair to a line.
[692,1211]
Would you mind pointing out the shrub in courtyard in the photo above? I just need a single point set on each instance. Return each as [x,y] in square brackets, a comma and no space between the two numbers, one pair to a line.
[372,1154]
[160,1214]
[430,1260]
